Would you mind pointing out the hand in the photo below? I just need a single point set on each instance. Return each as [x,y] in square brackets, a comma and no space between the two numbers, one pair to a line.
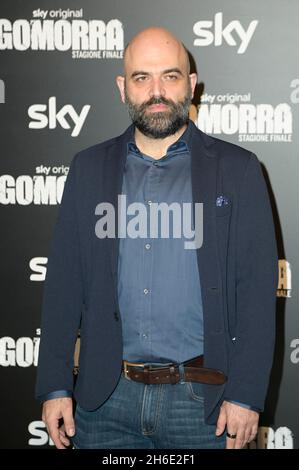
[239,421]
[53,411]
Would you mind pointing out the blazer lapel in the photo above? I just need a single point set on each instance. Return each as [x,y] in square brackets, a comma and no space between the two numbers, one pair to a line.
[204,168]
[113,187]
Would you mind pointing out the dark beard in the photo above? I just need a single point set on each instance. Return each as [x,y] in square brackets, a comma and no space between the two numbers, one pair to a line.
[160,124]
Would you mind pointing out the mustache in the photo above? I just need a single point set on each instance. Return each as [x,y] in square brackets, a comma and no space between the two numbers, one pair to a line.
[156,100]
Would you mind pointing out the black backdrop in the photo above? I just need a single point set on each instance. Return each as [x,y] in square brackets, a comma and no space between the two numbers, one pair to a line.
[58,62]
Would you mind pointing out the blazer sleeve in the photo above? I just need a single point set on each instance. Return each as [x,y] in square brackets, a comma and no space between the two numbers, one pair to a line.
[256,284]
[62,298]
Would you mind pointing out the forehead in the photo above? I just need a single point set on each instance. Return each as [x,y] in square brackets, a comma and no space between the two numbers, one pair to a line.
[155,56]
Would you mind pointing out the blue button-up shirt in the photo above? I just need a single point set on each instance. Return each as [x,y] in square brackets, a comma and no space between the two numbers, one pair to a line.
[158,280]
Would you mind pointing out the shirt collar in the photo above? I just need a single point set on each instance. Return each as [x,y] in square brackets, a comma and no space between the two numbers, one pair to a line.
[182,145]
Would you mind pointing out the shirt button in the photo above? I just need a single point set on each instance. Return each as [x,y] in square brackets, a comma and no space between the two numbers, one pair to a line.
[144,335]
[146,291]
[149,202]
[147,246]
[116,316]
[155,163]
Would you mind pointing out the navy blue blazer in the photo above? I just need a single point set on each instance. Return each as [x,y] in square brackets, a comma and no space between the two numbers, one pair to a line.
[237,264]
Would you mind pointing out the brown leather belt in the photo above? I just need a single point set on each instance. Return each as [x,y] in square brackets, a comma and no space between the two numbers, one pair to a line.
[193,372]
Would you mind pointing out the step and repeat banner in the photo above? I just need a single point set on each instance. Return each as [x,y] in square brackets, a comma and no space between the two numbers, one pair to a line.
[58,63]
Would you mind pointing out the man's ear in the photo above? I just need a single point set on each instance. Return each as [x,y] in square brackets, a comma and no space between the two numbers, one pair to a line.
[120,81]
[193,82]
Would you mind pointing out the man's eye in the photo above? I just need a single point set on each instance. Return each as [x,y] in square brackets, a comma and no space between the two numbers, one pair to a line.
[171,77]
[141,78]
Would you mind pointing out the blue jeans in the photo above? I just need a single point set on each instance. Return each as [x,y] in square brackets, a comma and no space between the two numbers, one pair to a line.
[139,416]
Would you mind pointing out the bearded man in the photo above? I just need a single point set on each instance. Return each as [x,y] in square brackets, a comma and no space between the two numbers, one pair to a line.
[176,341]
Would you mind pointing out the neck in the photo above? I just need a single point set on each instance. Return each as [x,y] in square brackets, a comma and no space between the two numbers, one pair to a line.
[156,148]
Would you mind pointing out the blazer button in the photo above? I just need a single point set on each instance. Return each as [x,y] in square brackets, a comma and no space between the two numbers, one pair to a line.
[116,316]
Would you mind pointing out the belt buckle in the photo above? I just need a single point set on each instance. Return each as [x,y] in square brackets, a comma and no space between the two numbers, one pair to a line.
[133,364]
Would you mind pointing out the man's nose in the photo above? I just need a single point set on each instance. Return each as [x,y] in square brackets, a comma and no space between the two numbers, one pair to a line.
[157,87]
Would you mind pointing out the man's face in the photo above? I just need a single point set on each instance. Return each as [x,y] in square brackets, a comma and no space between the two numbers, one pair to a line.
[157,89]
[158,117]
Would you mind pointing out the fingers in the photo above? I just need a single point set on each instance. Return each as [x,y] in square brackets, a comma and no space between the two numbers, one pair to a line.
[221,423]
[68,420]
[237,441]
[231,441]
[243,436]
[241,425]
[65,441]
[248,432]
[53,411]
[53,430]
[58,435]
[253,434]
[240,440]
